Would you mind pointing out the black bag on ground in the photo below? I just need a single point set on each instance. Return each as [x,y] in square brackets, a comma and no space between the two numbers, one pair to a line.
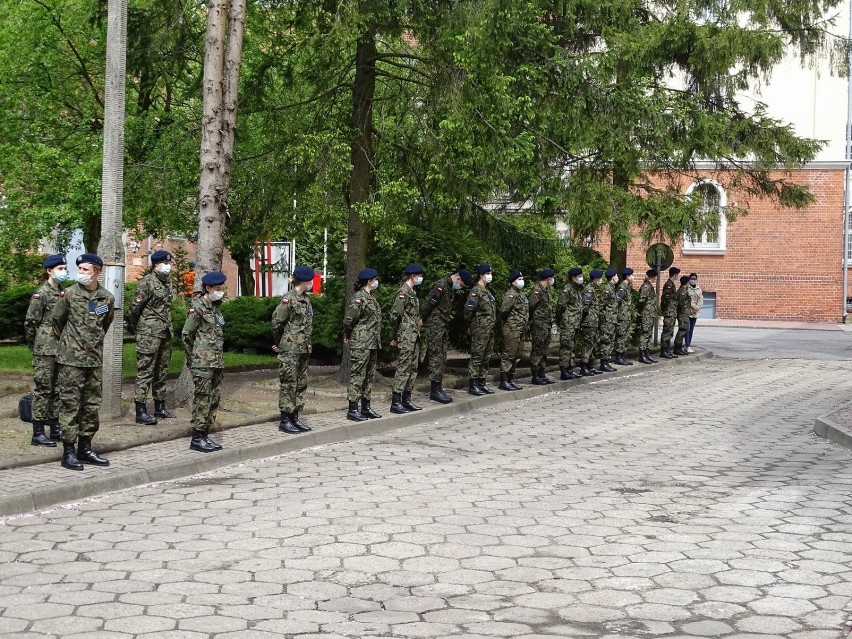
[25,408]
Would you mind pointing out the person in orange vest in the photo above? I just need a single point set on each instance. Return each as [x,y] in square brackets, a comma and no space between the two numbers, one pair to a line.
[189,280]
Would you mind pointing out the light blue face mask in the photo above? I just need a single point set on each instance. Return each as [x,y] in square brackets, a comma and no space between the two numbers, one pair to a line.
[60,276]
[374,285]
[456,286]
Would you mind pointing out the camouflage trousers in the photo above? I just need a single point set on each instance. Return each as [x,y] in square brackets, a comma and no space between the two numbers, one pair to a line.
[646,330]
[481,347]
[362,370]
[606,340]
[79,401]
[153,355]
[437,341]
[205,400]
[567,344]
[586,342]
[45,391]
[513,348]
[682,328]
[407,363]
[668,330]
[540,338]
[622,335]
[292,381]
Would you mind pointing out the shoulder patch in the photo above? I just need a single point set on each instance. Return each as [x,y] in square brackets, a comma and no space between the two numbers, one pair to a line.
[138,298]
[191,311]
[536,292]
[440,289]
[402,296]
[473,294]
[357,301]
[61,293]
[36,296]
[284,300]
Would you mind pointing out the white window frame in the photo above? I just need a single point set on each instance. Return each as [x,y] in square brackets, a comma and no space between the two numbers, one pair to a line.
[719,247]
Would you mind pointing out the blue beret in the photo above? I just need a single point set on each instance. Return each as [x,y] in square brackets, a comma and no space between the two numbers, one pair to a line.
[546,274]
[626,272]
[596,274]
[466,277]
[514,275]
[54,260]
[367,274]
[413,269]
[483,268]
[684,279]
[90,258]
[674,270]
[574,272]
[651,272]
[213,278]
[611,272]
[303,273]
[160,256]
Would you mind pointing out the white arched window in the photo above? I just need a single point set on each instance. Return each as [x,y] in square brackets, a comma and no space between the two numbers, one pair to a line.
[712,199]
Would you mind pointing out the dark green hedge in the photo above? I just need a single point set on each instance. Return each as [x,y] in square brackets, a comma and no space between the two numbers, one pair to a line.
[14,302]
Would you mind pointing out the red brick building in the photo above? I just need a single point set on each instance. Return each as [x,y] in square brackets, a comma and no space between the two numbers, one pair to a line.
[772,264]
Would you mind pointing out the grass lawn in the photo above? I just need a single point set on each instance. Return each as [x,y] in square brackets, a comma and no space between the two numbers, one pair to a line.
[17,359]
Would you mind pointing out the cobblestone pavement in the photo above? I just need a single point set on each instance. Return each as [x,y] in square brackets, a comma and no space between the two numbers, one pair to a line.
[685,502]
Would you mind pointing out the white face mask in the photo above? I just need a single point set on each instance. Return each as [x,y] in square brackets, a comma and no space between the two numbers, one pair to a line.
[518,284]
[551,281]
[59,276]
[579,280]
[456,286]
[418,280]
[309,287]
[215,296]
[487,278]
[84,279]
[165,269]
[374,285]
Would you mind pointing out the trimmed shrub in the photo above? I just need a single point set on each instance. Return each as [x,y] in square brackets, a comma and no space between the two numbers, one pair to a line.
[14,302]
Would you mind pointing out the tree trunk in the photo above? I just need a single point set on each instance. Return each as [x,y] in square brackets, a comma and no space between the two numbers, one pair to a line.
[243,259]
[617,253]
[360,181]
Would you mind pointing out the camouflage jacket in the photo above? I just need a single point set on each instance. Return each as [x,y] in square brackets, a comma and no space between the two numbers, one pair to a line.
[667,299]
[624,295]
[203,335]
[293,322]
[438,307]
[684,303]
[647,304]
[362,324]
[569,307]
[591,306]
[515,310]
[481,309]
[151,309]
[608,308]
[405,315]
[81,318]
[541,307]
[38,328]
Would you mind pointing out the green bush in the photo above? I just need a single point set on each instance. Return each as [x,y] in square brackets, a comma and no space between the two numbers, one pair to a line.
[14,301]
[248,322]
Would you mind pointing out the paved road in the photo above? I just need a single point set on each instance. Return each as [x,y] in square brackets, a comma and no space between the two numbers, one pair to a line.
[759,343]
[686,502]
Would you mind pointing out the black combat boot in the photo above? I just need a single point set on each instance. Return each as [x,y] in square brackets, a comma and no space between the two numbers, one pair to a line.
[537,379]
[69,457]
[607,367]
[437,394]
[142,416]
[211,442]
[504,382]
[396,404]
[590,367]
[353,414]
[39,438]
[512,382]
[367,410]
[55,432]
[566,373]
[160,409]
[543,375]
[200,442]
[648,355]
[643,357]
[87,455]
[664,353]
[302,426]
[286,425]
[474,389]
[624,361]
[484,386]
[406,401]
[680,350]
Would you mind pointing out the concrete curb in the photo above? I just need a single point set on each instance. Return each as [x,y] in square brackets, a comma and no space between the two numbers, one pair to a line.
[54,494]
[828,429]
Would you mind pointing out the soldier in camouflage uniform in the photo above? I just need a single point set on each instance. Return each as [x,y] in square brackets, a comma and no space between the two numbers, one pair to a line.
[150,317]
[437,312]
[362,331]
[589,324]
[81,319]
[608,317]
[515,316]
[480,311]
[541,325]
[669,307]
[648,311]
[292,323]
[406,323]
[203,340]
[683,305]
[624,296]
[43,343]
[569,312]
